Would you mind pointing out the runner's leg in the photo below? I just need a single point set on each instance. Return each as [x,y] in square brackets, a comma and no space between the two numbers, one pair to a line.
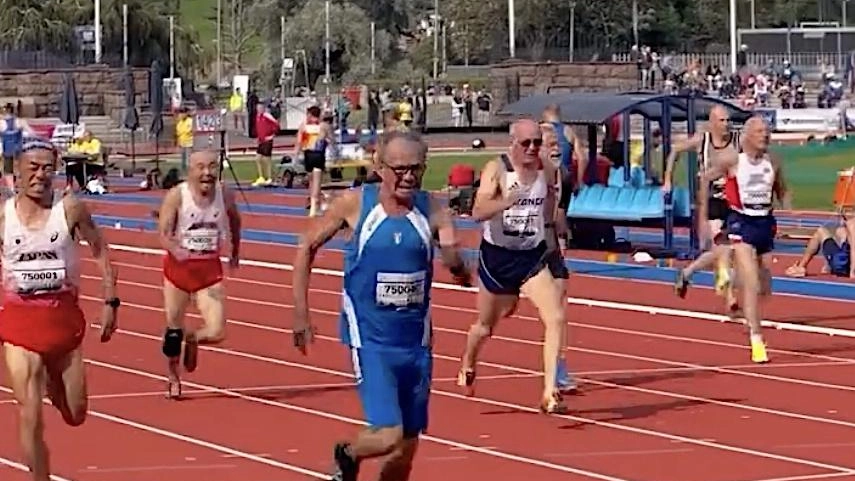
[66,381]
[491,308]
[543,292]
[209,301]
[26,375]
[175,303]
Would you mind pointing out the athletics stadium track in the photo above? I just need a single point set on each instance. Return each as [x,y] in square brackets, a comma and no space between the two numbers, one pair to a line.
[665,395]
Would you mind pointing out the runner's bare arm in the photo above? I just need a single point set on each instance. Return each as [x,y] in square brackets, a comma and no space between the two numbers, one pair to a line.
[781,187]
[78,215]
[702,198]
[298,145]
[343,212]
[234,220]
[488,198]
[442,225]
[692,143]
[167,218]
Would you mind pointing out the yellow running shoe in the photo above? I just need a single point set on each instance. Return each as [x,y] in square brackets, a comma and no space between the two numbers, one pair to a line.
[722,278]
[758,352]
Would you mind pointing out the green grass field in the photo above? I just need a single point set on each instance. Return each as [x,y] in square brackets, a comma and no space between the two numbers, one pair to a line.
[811,170]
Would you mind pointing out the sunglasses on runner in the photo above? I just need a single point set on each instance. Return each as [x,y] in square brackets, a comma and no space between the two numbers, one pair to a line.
[527,143]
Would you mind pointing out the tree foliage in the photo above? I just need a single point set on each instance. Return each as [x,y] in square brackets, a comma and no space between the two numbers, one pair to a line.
[48,25]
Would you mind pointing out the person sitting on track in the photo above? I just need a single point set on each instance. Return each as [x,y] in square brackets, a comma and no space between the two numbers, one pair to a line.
[718,141]
[516,203]
[385,317]
[753,178]
[193,220]
[41,324]
[837,245]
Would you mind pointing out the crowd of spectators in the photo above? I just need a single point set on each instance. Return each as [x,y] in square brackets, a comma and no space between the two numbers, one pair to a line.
[779,85]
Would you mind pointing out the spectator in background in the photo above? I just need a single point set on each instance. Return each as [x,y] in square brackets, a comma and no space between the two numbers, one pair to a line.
[405,112]
[184,136]
[483,100]
[467,104]
[276,104]
[266,128]
[237,109]
[420,109]
[12,132]
[457,107]
[89,148]
[373,111]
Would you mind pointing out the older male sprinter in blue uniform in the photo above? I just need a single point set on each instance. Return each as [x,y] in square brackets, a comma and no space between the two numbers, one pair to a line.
[385,313]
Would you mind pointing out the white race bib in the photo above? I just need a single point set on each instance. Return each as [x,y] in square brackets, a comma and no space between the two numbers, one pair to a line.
[200,240]
[518,222]
[39,280]
[400,290]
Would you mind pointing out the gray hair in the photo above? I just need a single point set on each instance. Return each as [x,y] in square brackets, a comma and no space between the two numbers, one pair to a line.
[411,137]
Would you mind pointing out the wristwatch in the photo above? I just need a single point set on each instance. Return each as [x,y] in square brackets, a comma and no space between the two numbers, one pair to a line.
[113,302]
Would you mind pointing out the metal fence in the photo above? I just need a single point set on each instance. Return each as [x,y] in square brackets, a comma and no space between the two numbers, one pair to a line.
[807,62]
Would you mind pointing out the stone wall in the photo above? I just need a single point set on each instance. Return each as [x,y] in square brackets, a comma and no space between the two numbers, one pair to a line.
[42,88]
[513,80]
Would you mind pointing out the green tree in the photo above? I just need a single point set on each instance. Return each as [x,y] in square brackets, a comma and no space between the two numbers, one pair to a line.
[350,39]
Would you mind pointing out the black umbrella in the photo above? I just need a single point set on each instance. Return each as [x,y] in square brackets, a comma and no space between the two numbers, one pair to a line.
[132,118]
[69,114]
[69,106]
[155,100]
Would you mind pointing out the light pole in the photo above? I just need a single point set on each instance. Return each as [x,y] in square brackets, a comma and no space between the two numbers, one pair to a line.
[97,31]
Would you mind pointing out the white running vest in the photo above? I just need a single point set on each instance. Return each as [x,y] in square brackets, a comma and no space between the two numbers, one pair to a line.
[750,188]
[38,263]
[522,226]
[201,230]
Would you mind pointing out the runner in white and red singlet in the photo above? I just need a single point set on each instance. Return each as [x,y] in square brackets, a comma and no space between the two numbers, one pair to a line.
[195,218]
[753,178]
[41,323]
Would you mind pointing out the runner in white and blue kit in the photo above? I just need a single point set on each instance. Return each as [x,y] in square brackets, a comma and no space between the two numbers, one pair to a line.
[516,203]
[385,318]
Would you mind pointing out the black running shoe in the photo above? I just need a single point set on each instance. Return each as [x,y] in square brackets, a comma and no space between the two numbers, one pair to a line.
[681,284]
[347,468]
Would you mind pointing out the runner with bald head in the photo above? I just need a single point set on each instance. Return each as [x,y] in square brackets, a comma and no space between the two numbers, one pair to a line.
[517,202]
[716,142]
[752,179]
[195,218]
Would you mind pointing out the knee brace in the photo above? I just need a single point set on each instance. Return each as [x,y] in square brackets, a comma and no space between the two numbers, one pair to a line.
[172,342]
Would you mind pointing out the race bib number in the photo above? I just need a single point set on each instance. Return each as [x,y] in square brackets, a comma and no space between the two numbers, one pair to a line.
[518,224]
[201,240]
[400,290]
[42,280]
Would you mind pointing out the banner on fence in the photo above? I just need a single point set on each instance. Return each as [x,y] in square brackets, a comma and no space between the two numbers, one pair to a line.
[803,120]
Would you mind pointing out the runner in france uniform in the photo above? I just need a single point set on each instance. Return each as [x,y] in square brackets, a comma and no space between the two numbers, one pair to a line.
[41,324]
[715,143]
[753,180]
[195,218]
[385,318]
[516,203]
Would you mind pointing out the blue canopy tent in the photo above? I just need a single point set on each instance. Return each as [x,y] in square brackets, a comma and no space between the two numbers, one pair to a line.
[624,203]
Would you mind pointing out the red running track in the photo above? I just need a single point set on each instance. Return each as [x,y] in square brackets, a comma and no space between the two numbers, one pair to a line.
[661,394]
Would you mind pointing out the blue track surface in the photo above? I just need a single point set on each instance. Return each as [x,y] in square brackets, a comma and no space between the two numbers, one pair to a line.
[635,236]
[813,288]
